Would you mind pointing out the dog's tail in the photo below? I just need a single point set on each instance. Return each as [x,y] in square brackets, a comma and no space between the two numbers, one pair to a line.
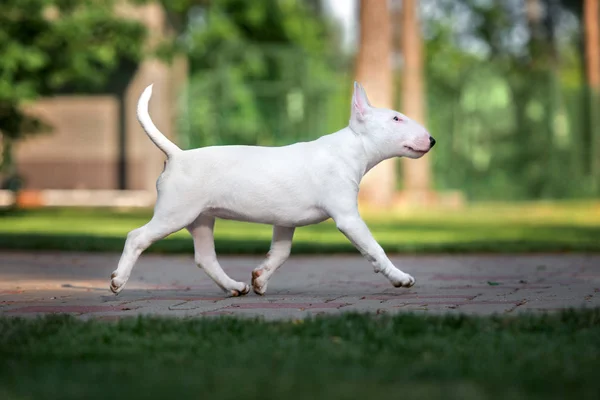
[160,140]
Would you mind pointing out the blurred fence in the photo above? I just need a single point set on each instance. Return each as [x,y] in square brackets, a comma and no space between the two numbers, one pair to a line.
[227,104]
[501,135]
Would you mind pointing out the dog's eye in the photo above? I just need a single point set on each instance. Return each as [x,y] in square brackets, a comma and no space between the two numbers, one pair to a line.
[397,119]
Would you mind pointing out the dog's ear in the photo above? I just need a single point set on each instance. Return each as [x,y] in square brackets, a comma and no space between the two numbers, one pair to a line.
[360,103]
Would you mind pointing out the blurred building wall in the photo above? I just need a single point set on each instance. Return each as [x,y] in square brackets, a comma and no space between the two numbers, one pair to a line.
[81,150]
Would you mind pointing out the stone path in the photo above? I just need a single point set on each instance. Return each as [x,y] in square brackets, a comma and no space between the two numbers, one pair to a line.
[40,283]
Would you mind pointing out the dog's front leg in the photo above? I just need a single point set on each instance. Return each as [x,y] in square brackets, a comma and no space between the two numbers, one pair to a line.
[355,229]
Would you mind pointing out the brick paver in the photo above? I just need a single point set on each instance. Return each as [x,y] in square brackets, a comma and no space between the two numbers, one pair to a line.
[76,283]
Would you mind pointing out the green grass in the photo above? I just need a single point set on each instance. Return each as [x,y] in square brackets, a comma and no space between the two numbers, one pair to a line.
[527,227]
[346,357]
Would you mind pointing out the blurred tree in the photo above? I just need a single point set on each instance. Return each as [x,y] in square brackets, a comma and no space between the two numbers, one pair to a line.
[592,56]
[49,46]
[374,72]
[416,173]
[592,35]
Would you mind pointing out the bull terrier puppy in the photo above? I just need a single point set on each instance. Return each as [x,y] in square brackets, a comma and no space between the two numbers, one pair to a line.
[300,184]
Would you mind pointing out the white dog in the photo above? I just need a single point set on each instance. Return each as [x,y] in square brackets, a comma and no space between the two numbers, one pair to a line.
[296,185]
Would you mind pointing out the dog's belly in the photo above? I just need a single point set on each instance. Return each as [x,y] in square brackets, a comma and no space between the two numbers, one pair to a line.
[306,217]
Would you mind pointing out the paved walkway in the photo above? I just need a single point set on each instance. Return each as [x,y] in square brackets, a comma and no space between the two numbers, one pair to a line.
[40,283]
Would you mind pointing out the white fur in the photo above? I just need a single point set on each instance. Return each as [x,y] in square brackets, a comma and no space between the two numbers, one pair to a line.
[296,185]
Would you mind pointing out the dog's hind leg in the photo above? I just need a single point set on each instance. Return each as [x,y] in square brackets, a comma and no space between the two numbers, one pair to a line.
[206,258]
[281,246]
[164,222]
[137,241]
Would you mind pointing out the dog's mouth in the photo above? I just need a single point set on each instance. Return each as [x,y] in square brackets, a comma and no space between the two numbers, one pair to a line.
[412,149]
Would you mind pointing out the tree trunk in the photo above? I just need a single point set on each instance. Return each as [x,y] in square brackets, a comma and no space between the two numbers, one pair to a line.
[592,43]
[416,173]
[592,57]
[374,72]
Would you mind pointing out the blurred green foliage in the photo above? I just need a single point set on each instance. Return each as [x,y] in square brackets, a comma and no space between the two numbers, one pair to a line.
[258,70]
[513,117]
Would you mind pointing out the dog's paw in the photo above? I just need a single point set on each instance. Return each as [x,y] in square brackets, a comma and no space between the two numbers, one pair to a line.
[239,292]
[116,283]
[404,281]
[258,285]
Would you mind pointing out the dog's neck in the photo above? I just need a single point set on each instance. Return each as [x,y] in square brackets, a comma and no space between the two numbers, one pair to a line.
[359,149]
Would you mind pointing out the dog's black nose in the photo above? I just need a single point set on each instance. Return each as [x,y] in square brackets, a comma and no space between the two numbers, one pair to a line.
[431,141]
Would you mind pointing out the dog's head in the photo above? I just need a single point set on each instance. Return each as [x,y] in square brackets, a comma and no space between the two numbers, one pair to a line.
[393,133]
